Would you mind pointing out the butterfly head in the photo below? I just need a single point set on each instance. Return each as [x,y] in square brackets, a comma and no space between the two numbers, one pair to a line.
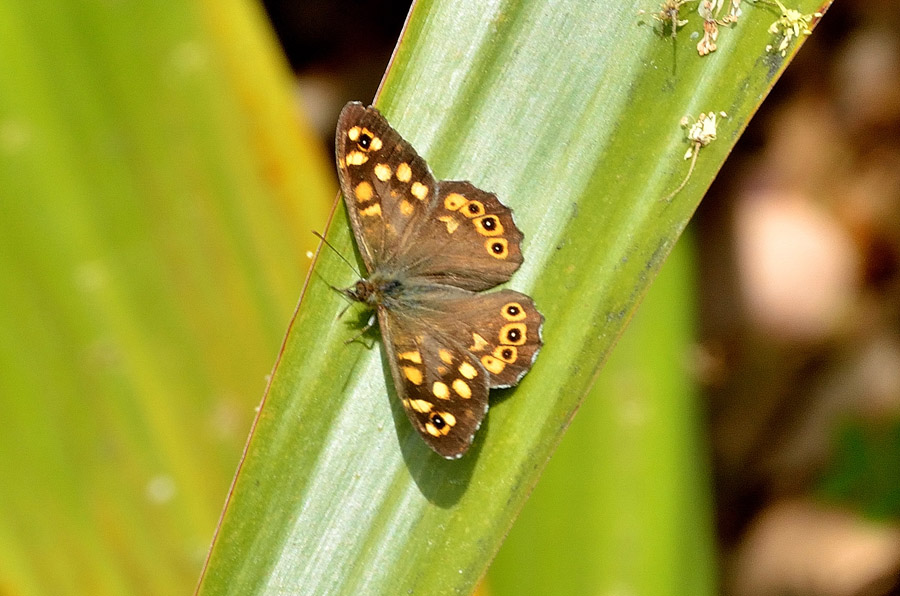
[362,291]
[373,291]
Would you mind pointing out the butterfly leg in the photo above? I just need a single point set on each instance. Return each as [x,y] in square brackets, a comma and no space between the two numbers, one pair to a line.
[369,325]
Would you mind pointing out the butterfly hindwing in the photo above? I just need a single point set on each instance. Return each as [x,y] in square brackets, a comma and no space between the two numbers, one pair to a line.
[387,187]
[470,240]
[502,330]
[442,386]
[446,356]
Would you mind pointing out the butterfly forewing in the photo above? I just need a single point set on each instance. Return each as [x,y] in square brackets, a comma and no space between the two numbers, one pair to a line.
[387,187]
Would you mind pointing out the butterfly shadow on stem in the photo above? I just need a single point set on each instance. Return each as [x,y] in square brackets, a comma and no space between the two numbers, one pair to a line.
[441,481]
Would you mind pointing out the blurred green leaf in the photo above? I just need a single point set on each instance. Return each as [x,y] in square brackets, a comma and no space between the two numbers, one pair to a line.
[865,468]
[157,194]
[570,112]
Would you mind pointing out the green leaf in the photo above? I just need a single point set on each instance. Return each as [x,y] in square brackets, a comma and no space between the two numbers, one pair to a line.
[570,112]
[628,489]
[156,207]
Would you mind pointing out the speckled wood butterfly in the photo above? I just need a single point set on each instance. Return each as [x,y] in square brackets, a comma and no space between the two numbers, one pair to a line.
[429,246]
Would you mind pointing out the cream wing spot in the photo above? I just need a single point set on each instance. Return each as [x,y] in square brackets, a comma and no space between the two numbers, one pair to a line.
[404,173]
[445,356]
[353,134]
[462,388]
[468,371]
[383,172]
[412,356]
[372,211]
[478,343]
[451,222]
[440,390]
[356,158]
[420,405]
[406,208]
[413,375]
[364,191]
[419,190]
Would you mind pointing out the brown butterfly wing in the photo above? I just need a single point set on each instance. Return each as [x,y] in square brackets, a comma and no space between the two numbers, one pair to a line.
[501,329]
[387,187]
[442,386]
[447,352]
[469,240]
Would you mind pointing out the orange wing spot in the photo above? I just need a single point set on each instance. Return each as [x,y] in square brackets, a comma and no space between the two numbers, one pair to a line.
[454,201]
[468,371]
[489,225]
[419,190]
[412,356]
[420,405]
[513,311]
[493,364]
[383,172]
[446,356]
[372,211]
[462,388]
[507,354]
[364,191]
[406,208]
[472,209]
[404,173]
[451,222]
[512,334]
[374,142]
[440,390]
[479,343]
[356,158]
[497,248]
[413,375]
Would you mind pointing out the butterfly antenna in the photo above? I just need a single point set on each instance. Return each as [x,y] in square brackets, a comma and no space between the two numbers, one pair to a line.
[337,252]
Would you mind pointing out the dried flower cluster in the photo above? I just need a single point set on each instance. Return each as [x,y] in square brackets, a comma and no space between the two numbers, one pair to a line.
[789,26]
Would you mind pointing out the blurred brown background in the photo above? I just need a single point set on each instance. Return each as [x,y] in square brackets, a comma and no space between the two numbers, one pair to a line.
[799,253]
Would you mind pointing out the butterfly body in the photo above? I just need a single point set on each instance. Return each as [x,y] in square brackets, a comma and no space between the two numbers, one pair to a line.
[430,247]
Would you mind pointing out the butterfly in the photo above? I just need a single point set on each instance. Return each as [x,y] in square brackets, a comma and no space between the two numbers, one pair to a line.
[430,247]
